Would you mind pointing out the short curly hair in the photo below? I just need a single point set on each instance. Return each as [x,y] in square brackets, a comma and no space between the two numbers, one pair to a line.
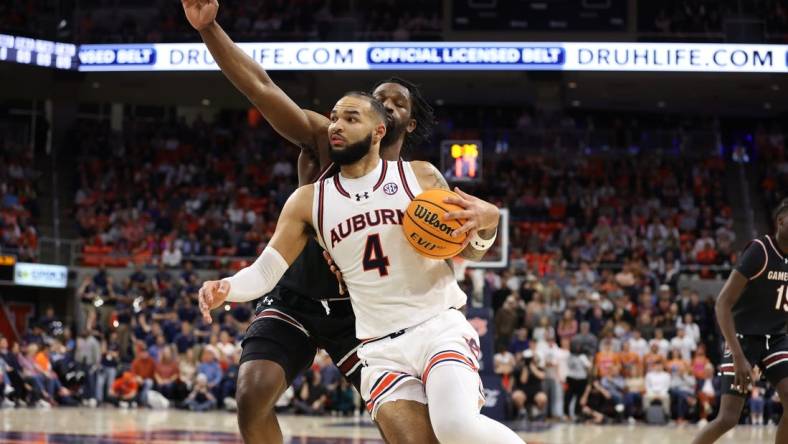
[781,209]
[420,110]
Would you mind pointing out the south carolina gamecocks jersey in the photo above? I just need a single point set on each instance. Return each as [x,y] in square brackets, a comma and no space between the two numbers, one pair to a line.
[763,306]
[391,286]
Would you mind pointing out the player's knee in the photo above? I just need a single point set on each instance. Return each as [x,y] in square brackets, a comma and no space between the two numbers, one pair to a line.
[454,429]
[405,422]
[259,386]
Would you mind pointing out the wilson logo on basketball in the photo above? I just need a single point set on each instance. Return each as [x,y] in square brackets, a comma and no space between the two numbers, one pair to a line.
[432,219]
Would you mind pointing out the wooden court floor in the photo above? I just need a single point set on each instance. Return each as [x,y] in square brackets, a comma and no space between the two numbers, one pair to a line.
[109,425]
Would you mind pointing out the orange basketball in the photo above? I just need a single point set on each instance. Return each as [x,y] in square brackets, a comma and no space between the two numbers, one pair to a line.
[425,228]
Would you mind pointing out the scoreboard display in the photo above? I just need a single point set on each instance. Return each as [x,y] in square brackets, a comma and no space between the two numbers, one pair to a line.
[7,268]
[461,160]
[37,52]
[539,15]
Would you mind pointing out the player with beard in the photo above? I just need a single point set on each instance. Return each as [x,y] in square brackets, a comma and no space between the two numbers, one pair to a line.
[416,344]
[308,309]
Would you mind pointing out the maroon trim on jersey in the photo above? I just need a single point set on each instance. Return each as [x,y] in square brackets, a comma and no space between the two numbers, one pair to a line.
[284,317]
[338,184]
[776,250]
[324,173]
[775,358]
[766,258]
[350,363]
[342,191]
[403,179]
[320,206]
[382,175]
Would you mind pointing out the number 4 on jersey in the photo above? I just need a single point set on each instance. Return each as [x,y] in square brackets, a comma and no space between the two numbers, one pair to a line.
[373,256]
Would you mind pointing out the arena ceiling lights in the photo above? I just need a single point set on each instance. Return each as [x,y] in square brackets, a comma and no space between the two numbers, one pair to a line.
[367,56]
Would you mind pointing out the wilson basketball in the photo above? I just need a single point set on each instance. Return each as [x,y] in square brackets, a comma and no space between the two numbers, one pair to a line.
[426,229]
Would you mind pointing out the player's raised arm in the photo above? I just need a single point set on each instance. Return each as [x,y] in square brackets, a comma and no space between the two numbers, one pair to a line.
[481,217]
[289,239]
[285,116]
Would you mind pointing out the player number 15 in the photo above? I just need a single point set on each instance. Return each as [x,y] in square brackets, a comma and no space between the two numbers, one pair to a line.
[780,294]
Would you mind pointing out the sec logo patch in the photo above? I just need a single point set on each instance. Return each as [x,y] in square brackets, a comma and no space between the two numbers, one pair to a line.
[390,188]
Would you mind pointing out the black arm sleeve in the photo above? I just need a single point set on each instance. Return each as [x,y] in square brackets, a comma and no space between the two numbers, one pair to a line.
[752,261]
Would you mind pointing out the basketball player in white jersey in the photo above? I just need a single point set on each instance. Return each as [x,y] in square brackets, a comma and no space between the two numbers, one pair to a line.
[417,346]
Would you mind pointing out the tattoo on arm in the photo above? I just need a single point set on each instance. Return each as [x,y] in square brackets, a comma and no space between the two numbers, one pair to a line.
[438,181]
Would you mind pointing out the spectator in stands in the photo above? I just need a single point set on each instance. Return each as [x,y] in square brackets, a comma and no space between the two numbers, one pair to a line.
[105,375]
[519,342]
[166,375]
[585,342]
[684,344]
[343,398]
[201,397]
[229,383]
[606,359]
[506,320]
[88,357]
[185,339]
[637,344]
[503,364]
[209,366]
[312,396]
[662,344]
[756,403]
[144,368]
[635,388]
[528,393]
[596,403]
[682,392]
[172,256]
[615,386]
[691,329]
[555,360]
[124,390]
[187,367]
[567,325]
[657,387]
[578,366]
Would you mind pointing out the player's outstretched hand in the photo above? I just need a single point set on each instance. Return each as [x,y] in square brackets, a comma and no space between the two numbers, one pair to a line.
[335,270]
[211,295]
[478,214]
[200,13]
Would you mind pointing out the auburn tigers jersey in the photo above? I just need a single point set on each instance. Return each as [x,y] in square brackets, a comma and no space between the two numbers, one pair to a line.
[763,306]
[358,221]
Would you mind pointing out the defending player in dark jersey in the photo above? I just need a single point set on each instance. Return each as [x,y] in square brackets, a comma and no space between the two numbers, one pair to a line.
[306,310]
[752,311]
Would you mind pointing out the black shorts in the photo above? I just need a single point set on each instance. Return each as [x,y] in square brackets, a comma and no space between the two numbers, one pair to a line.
[772,360]
[289,328]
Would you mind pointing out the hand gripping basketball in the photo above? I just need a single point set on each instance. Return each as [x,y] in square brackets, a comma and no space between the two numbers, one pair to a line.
[427,229]
[476,213]
[211,295]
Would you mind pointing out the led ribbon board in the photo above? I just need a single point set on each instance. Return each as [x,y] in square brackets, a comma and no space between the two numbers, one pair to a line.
[656,57]
[426,56]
